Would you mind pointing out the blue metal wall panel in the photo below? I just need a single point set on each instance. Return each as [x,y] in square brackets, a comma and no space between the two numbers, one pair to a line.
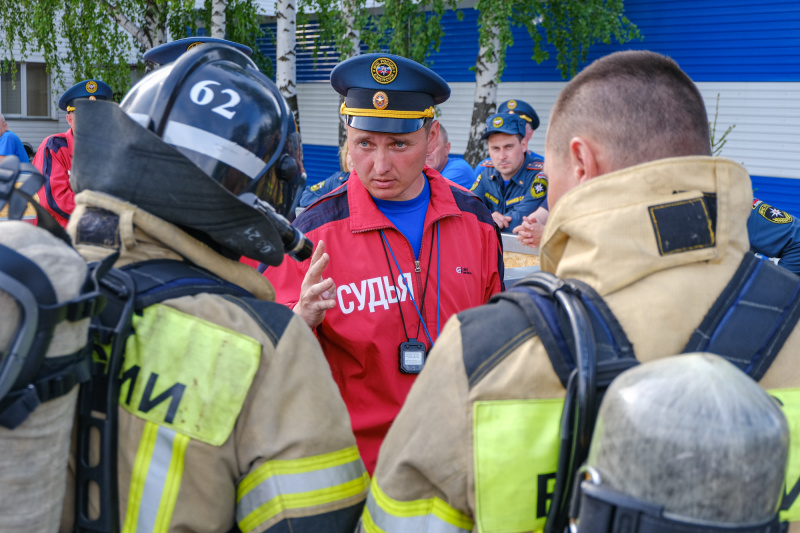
[320,162]
[731,40]
[783,193]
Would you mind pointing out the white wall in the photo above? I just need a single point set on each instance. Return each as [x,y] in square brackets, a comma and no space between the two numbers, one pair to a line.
[766,138]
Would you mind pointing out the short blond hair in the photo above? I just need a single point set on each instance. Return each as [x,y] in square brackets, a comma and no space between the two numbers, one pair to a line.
[640,105]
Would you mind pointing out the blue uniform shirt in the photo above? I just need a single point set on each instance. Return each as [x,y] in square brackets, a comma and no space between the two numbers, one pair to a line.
[321,188]
[11,145]
[488,163]
[458,171]
[523,194]
[775,233]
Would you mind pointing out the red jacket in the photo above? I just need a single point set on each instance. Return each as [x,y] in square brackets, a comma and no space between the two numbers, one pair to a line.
[362,335]
[54,161]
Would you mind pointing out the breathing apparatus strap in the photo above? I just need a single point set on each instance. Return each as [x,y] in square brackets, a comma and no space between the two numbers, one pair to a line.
[587,348]
[747,325]
[604,510]
[128,290]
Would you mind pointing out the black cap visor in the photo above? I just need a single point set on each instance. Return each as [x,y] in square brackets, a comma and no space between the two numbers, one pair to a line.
[385,125]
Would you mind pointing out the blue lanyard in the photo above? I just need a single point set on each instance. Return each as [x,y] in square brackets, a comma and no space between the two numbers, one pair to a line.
[411,293]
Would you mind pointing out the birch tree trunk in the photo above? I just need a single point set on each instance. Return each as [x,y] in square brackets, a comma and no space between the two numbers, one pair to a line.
[286,69]
[218,8]
[485,101]
[352,35]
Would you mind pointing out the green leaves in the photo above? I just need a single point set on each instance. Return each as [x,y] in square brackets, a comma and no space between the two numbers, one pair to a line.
[107,38]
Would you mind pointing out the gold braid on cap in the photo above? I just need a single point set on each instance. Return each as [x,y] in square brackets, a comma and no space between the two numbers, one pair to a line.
[383,113]
[70,109]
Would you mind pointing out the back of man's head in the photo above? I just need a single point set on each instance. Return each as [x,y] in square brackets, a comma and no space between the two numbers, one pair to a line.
[639,105]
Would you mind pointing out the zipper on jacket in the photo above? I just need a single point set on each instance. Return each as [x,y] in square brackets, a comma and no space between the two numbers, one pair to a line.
[417,267]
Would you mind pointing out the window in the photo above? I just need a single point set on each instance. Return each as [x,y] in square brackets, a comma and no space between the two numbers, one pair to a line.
[27,94]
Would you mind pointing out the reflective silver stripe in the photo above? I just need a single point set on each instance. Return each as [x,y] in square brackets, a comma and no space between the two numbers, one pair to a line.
[204,142]
[427,523]
[283,484]
[142,119]
[155,481]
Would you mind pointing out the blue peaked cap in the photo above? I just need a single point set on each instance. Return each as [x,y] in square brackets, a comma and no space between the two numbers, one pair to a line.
[92,89]
[169,52]
[523,109]
[504,123]
[387,93]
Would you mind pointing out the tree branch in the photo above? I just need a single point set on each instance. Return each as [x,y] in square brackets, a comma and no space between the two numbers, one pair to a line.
[125,23]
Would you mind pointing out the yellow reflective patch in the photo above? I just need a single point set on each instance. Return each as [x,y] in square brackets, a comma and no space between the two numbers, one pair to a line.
[789,400]
[187,374]
[515,200]
[491,198]
[318,186]
[516,457]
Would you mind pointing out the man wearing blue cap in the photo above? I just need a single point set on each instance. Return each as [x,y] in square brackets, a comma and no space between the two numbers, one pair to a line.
[408,248]
[54,156]
[526,112]
[169,52]
[512,187]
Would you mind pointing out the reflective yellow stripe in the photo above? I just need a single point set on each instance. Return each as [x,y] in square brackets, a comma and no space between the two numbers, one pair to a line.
[169,497]
[515,446]
[383,514]
[280,485]
[383,113]
[789,400]
[155,480]
[139,475]
[514,200]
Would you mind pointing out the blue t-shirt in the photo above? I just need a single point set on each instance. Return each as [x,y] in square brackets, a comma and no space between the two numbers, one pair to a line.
[458,171]
[11,145]
[408,216]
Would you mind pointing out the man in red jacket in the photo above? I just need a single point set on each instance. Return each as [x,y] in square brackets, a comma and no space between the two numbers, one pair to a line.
[405,248]
[54,156]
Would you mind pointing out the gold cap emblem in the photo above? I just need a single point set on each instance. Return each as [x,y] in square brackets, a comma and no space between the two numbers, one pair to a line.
[91,86]
[380,100]
[497,122]
[511,104]
[383,70]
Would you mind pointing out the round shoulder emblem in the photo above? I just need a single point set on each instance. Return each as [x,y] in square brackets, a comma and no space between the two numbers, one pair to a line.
[512,104]
[91,86]
[497,122]
[383,70]
[776,216]
[539,186]
[193,45]
[380,100]
[475,185]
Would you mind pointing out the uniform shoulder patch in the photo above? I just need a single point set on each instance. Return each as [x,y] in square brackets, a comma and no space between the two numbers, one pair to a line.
[486,163]
[776,216]
[536,165]
[682,226]
[489,333]
[477,181]
[539,186]
[318,186]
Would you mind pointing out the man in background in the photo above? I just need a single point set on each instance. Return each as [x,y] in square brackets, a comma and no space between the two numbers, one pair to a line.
[54,156]
[10,144]
[513,186]
[453,168]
